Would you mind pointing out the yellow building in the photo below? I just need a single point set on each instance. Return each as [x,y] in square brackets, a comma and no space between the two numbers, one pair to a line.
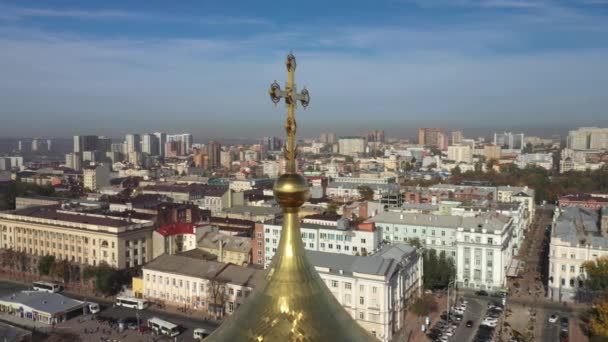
[77,237]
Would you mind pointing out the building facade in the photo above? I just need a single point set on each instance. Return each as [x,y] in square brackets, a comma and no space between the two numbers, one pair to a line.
[82,238]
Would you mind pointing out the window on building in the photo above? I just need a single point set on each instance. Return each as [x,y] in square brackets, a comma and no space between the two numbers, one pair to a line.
[361,315]
[347,286]
[334,283]
[362,300]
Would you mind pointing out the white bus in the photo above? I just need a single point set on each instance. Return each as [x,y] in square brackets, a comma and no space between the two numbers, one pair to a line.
[47,287]
[160,326]
[132,302]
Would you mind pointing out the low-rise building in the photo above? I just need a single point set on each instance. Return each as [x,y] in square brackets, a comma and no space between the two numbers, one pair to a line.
[375,290]
[578,234]
[211,286]
[40,306]
[229,249]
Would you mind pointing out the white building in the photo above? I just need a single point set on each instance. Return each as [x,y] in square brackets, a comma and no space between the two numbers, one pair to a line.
[351,146]
[334,238]
[588,138]
[209,285]
[271,169]
[468,239]
[576,236]
[484,251]
[460,153]
[376,290]
[96,176]
[510,194]
[544,160]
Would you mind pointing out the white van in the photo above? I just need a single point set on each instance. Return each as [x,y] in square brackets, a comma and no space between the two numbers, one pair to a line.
[200,333]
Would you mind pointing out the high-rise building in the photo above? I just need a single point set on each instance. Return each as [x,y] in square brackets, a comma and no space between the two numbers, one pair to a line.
[49,145]
[460,153]
[73,160]
[132,143]
[328,138]
[226,159]
[351,146]
[214,150]
[375,136]
[85,143]
[433,137]
[185,139]
[104,144]
[96,176]
[457,137]
[173,148]
[588,138]
[492,152]
[162,140]
[150,144]
[509,140]
[272,144]
[35,145]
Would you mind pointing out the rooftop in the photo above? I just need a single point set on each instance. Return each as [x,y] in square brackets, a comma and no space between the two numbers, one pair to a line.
[53,213]
[576,225]
[229,243]
[382,263]
[253,210]
[490,221]
[180,264]
[43,301]
[176,229]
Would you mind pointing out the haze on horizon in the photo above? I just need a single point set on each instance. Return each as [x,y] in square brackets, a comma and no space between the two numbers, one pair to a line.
[70,67]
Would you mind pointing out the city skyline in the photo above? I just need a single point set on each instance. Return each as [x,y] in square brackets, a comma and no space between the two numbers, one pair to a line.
[115,69]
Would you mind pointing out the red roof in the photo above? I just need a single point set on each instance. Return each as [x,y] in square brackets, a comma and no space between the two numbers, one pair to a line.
[176,228]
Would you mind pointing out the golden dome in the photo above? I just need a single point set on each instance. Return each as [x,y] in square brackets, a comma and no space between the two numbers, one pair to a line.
[291,303]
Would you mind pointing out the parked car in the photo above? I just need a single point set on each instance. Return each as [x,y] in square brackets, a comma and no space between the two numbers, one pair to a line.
[553,318]
[481,293]
[469,324]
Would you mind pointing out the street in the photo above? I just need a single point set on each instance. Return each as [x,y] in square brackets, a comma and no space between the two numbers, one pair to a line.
[78,324]
[476,310]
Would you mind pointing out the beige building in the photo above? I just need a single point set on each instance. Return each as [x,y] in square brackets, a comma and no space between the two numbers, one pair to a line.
[492,152]
[77,237]
[460,153]
[229,249]
[208,285]
[96,177]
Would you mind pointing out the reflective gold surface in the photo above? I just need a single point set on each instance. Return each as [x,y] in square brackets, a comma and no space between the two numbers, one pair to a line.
[292,303]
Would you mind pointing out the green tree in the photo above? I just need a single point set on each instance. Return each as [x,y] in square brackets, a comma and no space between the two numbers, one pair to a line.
[424,305]
[597,273]
[456,171]
[366,192]
[598,321]
[45,264]
[332,208]
[61,270]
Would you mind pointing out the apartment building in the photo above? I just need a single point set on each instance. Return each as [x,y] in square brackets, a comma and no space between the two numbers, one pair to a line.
[509,194]
[484,251]
[78,237]
[334,236]
[578,234]
[482,245]
[376,290]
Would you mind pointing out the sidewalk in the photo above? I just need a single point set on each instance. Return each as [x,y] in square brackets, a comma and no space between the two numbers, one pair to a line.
[411,331]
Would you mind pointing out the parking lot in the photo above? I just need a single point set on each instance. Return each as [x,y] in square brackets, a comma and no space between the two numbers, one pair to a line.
[471,319]
[105,325]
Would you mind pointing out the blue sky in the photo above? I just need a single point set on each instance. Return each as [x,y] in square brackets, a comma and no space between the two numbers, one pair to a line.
[110,67]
